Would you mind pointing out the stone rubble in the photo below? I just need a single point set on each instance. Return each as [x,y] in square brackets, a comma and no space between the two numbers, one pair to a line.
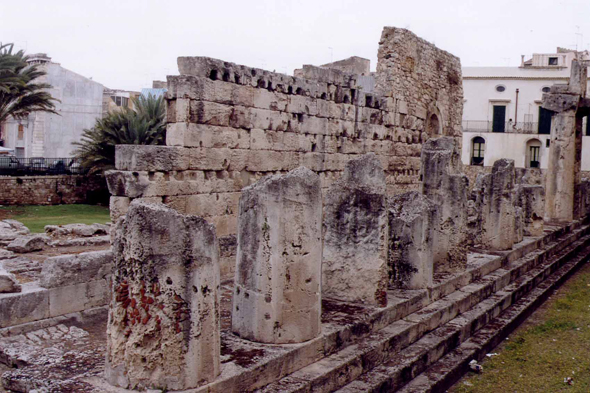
[28,243]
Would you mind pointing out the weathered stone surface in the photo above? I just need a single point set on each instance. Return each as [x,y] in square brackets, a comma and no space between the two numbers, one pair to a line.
[5,254]
[412,220]
[497,207]
[446,187]
[28,243]
[562,182]
[151,158]
[118,206]
[163,329]
[8,282]
[11,229]
[77,229]
[277,296]
[354,265]
[74,269]
[531,199]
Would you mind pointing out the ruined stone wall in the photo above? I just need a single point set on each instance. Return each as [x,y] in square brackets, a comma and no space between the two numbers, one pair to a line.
[229,125]
[424,81]
[52,190]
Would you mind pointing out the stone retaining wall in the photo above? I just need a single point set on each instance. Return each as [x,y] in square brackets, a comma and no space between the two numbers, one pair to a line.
[52,190]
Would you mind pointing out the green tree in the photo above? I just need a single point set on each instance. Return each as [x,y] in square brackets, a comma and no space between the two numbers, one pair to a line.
[145,125]
[20,90]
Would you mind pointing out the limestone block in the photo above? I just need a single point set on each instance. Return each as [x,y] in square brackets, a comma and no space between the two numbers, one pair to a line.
[354,266]
[518,224]
[211,159]
[11,229]
[76,268]
[151,158]
[210,113]
[118,206]
[32,304]
[191,87]
[163,328]
[531,198]
[446,187]
[277,296]
[498,213]
[28,243]
[412,220]
[8,282]
[83,230]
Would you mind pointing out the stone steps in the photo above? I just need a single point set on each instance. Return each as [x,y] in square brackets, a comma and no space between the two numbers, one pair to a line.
[423,367]
[449,369]
[425,335]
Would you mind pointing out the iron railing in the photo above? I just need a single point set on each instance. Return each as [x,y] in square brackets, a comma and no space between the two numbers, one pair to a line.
[12,166]
[527,127]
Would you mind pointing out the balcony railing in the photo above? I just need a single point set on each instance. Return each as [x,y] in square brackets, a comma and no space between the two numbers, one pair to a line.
[12,166]
[510,127]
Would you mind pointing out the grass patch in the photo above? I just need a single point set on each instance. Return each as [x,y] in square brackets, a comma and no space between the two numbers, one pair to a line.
[36,217]
[539,355]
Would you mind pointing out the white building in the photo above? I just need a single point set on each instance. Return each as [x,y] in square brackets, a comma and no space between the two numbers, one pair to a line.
[502,114]
[49,135]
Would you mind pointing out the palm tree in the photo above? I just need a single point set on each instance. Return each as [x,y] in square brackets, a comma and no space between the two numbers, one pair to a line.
[145,125]
[19,93]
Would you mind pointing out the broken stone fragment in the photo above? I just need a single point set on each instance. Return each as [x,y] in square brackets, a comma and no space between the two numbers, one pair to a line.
[11,229]
[163,328]
[83,230]
[354,266]
[277,297]
[65,270]
[412,219]
[8,282]
[29,243]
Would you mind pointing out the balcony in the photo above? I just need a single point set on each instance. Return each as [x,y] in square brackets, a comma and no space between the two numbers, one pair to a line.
[509,127]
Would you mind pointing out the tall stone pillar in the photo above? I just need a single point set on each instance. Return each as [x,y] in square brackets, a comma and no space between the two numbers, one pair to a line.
[562,187]
[163,327]
[354,265]
[277,297]
[531,198]
[445,185]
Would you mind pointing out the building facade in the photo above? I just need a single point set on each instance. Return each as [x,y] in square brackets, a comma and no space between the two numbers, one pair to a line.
[51,135]
[502,114]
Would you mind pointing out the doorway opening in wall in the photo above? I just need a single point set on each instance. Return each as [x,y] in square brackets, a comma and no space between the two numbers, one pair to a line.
[21,132]
[19,152]
[478,151]
[499,118]
[533,155]
[544,121]
[587,127]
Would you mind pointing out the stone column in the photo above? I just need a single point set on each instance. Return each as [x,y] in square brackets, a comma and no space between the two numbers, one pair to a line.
[354,266]
[277,297]
[498,212]
[445,185]
[163,328]
[412,219]
[562,184]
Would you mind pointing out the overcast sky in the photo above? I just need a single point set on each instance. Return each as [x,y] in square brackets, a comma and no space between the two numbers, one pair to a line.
[126,44]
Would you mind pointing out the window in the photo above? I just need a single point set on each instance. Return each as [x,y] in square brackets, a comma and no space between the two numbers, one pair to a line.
[533,154]
[478,151]
[553,61]
[546,89]
[120,101]
[500,88]
[21,132]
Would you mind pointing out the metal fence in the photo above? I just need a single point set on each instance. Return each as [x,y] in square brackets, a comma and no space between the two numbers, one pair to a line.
[510,127]
[12,166]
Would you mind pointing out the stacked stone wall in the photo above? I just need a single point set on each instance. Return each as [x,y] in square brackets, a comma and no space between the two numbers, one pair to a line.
[52,190]
[230,125]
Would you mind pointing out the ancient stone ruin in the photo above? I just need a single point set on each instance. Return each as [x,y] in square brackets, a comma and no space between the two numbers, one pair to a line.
[307,233]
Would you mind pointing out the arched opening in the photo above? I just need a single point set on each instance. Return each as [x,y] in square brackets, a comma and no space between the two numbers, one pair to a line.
[533,153]
[478,149]
[433,125]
